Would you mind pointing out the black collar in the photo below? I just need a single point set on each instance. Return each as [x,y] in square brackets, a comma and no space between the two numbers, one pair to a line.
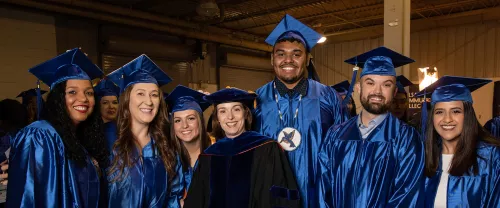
[300,88]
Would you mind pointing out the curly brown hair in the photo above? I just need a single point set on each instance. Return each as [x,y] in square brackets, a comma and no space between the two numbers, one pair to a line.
[125,143]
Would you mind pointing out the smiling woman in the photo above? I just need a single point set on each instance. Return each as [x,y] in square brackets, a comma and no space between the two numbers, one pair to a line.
[144,156]
[68,143]
[243,168]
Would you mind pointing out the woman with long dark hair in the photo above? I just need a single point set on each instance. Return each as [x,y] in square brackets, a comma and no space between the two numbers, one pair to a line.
[462,161]
[188,125]
[145,169]
[57,161]
[243,168]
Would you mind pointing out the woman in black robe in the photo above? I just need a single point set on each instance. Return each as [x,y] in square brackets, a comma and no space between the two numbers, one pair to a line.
[243,168]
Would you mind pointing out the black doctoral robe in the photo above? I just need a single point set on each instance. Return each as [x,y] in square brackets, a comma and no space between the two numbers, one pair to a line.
[250,170]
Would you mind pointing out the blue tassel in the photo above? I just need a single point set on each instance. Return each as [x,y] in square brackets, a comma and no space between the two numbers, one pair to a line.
[351,86]
[423,122]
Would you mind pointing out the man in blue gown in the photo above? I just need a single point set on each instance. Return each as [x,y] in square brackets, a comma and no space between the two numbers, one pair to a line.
[373,159]
[293,109]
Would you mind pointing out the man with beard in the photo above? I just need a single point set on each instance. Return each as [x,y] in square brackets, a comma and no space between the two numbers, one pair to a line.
[295,110]
[374,159]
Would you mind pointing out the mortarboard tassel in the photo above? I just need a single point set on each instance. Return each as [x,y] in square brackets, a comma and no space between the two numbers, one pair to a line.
[311,70]
[423,122]
[38,100]
[351,86]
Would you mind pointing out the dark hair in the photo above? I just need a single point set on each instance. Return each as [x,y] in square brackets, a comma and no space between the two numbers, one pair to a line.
[125,143]
[88,134]
[353,109]
[465,156]
[291,40]
[217,130]
[203,137]
[13,114]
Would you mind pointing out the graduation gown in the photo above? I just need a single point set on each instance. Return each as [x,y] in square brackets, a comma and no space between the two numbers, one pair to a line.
[188,175]
[110,134]
[40,174]
[319,109]
[383,170]
[469,190]
[493,126]
[250,170]
[145,184]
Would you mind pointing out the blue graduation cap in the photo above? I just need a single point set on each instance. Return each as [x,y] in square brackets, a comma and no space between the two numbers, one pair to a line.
[73,64]
[28,94]
[106,87]
[380,61]
[451,88]
[290,27]
[231,95]
[342,87]
[140,70]
[402,82]
[184,98]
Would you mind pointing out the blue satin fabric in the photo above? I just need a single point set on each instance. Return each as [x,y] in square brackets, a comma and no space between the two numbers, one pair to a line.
[451,92]
[384,170]
[469,190]
[188,175]
[493,126]
[40,174]
[319,109]
[110,134]
[145,184]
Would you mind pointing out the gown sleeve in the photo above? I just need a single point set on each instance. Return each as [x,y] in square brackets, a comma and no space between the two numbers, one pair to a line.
[33,170]
[409,182]
[177,187]
[198,191]
[335,109]
[278,186]
[494,196]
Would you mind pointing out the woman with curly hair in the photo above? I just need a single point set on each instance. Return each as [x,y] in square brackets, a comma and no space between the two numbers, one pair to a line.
[462,160]
[145,170]
[56,162]
[188,125]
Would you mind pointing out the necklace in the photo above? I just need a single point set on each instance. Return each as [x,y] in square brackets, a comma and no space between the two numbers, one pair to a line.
[289,138]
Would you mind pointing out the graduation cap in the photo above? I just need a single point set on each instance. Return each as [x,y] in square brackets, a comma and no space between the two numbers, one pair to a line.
[106,87]
[140,70]
[183,98]
[231,95]
[73,64]
[291,28]
[451,88]
[28,94]
[342,87]
[402,82]
[379,61]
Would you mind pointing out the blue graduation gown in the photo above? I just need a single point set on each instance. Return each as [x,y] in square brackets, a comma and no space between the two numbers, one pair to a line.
[250,170]
[110,134]
[319,109]
[188,175]
[469,190]
[383,170]
[493,126]
[40,174]
[145,184]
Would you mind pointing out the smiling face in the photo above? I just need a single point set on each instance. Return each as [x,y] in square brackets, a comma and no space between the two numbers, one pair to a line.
[109,106]
[231,117]
[448,118]
[376,93]
[289,61]
[80,101]
[144,102]
[187,125]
